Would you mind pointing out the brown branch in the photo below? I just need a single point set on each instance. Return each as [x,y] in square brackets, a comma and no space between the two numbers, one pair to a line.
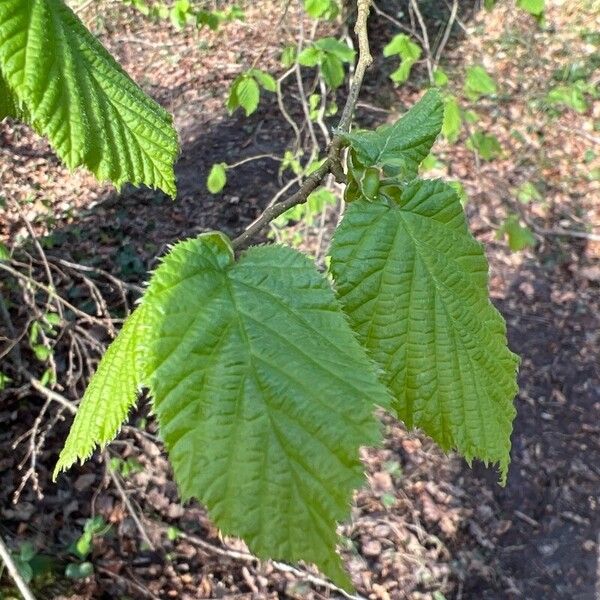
[364,60]
[310,184]
[332,163]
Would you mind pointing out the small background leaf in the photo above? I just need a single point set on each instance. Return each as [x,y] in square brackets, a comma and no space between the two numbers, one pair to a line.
[217,178]
[478,83]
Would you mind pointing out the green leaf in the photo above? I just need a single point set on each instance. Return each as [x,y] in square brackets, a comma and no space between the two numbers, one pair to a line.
[471,117]
[25,570]
[402,73]
[440,78]
[316,8]
[109,396]
[8,102]
[414,283]
[208,18]
[399,148]
[4,380]
[96,525]
[42,352]
[288,56]
[533,7]
[321,9]
[27,551]
[430,163]
[568,95]
[83,546]
[4,252]
[333,71]
[227,349]
[339,49]
[487,146]
[314,205]
[408,51]
[79,570]
[180,12]
[232,347]
[290,161]
[264,79]
[452,119]
[310,57]
[478,82]
[78,96]
[244,93]
[519,237]
[262,393]
[461,192]
[402,45]
[527,192]
[217,178]
[329,54]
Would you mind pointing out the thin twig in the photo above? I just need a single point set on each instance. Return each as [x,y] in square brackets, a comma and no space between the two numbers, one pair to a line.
[311,183]
[580,132]
[364,60]
[37,385]
[52,293]
[150,44]
[14,572]
[426,45]
[128,583]
[252,158]
[303,99]
[559,232]
[83,7]
[397,23]
[41,253]
[284,110]
[130,508]
[447,32]
[13,344]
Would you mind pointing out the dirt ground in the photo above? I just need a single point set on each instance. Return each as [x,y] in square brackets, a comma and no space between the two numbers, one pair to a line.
[426,526]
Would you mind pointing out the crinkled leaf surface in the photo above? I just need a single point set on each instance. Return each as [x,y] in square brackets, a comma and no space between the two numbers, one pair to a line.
[110,395]
[8,106]
[399,148]
[262,392]
[79,97]
[414,282]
